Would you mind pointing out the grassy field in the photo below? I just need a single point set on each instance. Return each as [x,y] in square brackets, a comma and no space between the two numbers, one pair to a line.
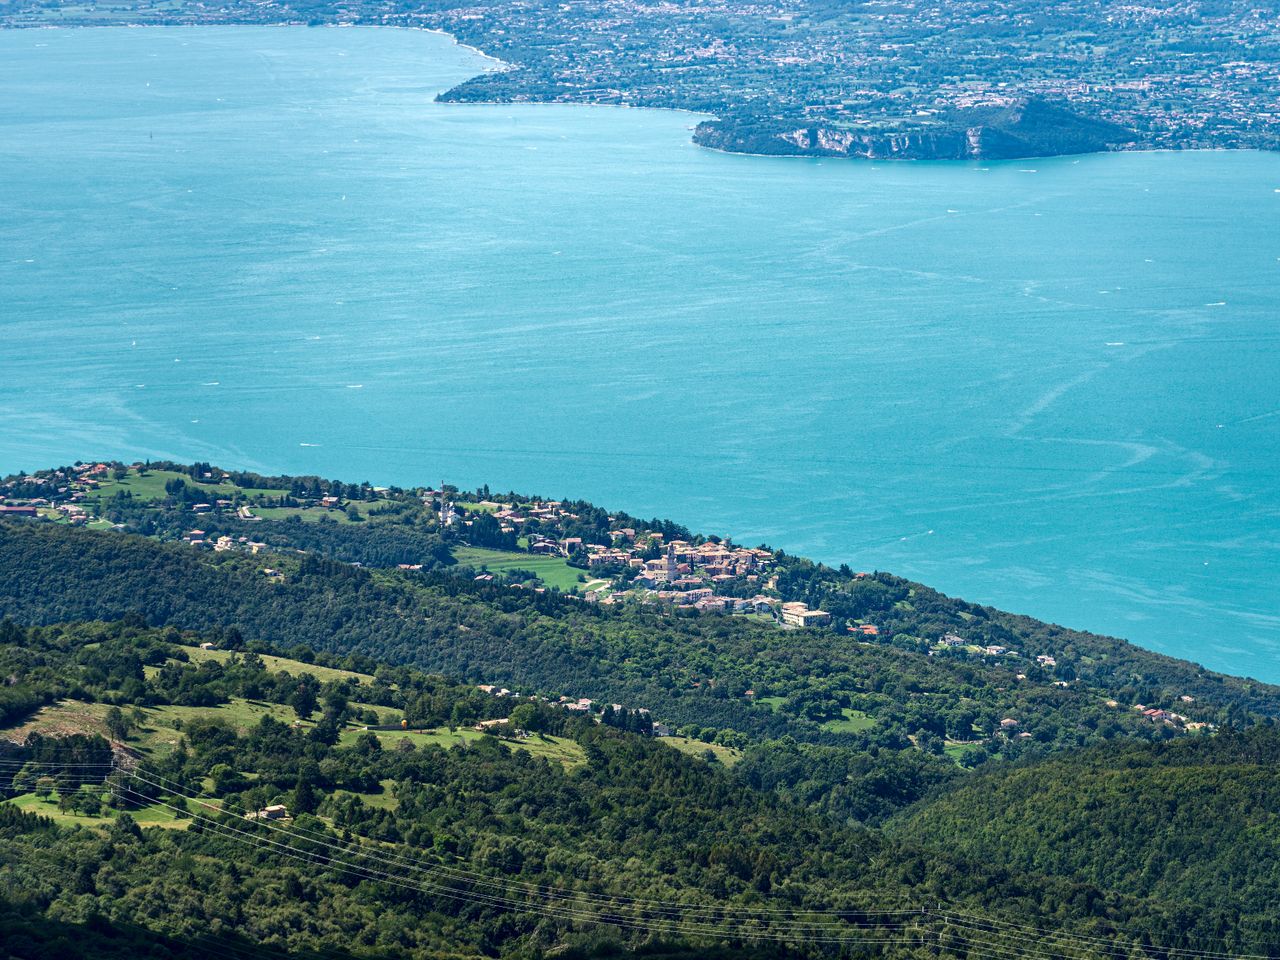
[696,748]
[151,487]
[853,721]
[956,751]
[559,749]
[276,664]
[553,571]
[484,506]
[61,719]
[316,514]
[773,703]
[382,801]
[154,816]
[158,732]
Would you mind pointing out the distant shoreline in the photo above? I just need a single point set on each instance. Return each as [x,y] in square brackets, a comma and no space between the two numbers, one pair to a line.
[500,65]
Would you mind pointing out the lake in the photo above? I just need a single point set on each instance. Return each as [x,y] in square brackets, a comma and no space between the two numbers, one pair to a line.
[1050,385]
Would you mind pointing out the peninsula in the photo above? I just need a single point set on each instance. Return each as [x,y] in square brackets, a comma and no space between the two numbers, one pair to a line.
[905,79]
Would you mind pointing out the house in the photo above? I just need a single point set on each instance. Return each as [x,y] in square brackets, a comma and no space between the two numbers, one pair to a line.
[208,646]
[1008,723]
[277,811]
[799,615]
[17,510]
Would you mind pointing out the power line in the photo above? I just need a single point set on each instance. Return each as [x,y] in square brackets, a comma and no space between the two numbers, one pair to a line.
[978,936]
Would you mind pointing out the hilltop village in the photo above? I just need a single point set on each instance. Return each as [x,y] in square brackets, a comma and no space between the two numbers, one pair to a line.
[570,549]
[643,565]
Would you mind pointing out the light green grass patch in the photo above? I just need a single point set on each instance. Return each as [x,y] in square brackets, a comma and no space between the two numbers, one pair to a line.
[552,571]
[852,721]
[307,514]
[159,732]
[151,487]
[385,800]
[385,714]
[696,748]
[152,816]
[438,737]
[956,751]
[316,514]
[276,664]
[560,749]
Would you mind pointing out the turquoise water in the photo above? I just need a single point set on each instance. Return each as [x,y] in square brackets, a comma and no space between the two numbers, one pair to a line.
[1052,385]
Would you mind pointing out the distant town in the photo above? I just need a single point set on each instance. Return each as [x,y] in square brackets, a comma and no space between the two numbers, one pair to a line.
[979,79]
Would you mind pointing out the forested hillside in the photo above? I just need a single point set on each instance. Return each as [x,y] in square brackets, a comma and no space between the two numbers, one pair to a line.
[328,734]
[400,841]
[1191,821]
[814,689]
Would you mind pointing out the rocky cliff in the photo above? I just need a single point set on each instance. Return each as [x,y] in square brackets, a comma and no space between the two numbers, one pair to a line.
[1032,128]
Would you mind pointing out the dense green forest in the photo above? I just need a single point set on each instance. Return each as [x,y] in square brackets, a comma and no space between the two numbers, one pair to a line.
[1191,820]
[833,792]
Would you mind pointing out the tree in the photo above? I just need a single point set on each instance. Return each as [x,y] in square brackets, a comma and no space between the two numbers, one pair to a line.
[303,701]
[226,780]
[304,795]
[118,724]
[525,717]
[87,800]
[335,704]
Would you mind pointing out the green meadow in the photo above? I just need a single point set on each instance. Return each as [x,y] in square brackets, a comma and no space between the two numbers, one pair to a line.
[552,571]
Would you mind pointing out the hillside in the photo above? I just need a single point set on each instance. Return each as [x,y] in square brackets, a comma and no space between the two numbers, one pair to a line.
[1192,821]
[810,707]
[395,845]
[359,719]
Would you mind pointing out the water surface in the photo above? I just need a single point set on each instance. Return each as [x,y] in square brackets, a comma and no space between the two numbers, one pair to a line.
[1048,385]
